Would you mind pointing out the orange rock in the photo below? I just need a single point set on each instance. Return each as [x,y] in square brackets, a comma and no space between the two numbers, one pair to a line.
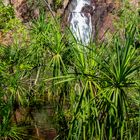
[6,38]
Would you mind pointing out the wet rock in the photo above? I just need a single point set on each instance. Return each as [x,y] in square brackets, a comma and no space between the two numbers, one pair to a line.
[88,9]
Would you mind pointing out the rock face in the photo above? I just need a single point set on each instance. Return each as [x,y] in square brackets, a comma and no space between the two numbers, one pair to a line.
[101,13]
[25,10]
[103,8]
[29,9]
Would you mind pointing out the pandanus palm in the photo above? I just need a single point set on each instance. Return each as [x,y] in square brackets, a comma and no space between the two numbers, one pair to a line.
[102,87]
[119,73]
[12,94]
[82,95]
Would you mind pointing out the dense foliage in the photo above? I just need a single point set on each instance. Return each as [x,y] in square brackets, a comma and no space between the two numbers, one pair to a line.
[94,91]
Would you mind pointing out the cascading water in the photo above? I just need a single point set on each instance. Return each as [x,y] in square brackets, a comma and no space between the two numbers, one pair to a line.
[80,22]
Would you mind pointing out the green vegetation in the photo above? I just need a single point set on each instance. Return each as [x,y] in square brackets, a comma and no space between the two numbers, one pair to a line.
[94,91]
[6,13]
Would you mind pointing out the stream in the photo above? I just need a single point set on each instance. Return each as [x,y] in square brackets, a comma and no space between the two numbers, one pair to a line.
[80,22]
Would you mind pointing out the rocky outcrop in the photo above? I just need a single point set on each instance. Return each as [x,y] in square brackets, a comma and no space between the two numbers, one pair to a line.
[101,18]
[29,9]
[25,10]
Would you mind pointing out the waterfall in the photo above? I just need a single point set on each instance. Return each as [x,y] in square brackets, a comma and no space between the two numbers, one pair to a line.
[80,22]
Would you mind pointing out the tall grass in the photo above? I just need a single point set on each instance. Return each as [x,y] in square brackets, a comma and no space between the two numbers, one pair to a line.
[95,90]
